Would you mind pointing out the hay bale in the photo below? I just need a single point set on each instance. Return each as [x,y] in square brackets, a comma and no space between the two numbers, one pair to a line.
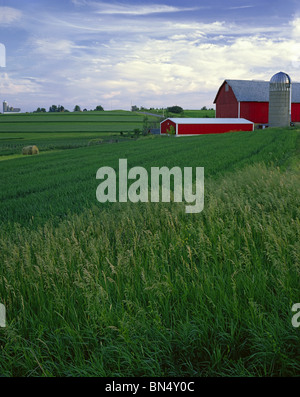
[95,142]
[29,150]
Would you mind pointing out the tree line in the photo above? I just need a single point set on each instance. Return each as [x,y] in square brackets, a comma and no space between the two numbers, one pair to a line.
[60,108]
[170,109]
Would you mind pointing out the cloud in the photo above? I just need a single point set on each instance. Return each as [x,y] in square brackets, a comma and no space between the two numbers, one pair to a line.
[14,85]
[158,71]
[129,54]
[126,9]
[53,49]
[295,27]
[131,9]
[9,15]
[294,48]
[240,7]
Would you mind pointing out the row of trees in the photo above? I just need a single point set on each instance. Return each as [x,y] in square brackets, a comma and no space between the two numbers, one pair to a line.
[171,109]
[60,108]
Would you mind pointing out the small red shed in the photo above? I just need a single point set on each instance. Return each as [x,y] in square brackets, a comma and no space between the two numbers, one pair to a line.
[198,126]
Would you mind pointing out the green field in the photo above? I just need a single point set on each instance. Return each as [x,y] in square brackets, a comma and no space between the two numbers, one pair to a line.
[123,289]
[186,113]
[51,131]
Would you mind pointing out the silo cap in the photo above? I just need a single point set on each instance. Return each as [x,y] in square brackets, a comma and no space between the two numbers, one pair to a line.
[281,78]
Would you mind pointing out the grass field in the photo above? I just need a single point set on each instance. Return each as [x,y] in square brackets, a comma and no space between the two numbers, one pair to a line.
[144,289]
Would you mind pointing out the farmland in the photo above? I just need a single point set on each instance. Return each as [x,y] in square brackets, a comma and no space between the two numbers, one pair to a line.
[65,130]
[144,289]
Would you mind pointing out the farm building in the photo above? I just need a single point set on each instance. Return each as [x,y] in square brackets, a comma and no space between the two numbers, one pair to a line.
[249,99]
[198,126]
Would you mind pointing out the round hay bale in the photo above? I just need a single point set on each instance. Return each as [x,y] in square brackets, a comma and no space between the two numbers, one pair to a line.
[30,150]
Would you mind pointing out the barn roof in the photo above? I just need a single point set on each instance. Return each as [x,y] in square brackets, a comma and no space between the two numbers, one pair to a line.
[256,90]
[208,120]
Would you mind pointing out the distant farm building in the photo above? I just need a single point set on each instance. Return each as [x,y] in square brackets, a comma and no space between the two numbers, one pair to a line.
[198,126]
[10,109]
[249,99]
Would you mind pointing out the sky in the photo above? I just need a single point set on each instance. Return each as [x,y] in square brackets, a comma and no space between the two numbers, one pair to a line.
[140,52]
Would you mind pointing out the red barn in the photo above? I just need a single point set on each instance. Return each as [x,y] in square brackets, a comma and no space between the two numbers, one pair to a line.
[249,99]
[198,126]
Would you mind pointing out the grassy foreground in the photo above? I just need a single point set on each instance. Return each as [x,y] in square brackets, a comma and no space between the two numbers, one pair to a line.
[150,291]
[145,289]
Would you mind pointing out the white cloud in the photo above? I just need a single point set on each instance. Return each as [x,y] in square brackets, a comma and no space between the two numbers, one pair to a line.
[53,48]
[91,59]
[240,7]
[295,24]
[108,8]
[154,72]
[9,15]
[131,9]
[13,85]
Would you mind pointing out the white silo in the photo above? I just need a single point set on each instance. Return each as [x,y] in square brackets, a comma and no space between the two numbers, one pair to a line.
[280,100]
[5,106]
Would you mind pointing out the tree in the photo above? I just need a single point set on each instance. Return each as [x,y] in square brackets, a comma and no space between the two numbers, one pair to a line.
[53,108]
[77,108]
[40,110]
[145,125]
[171,130]
[99,108]
[175,109]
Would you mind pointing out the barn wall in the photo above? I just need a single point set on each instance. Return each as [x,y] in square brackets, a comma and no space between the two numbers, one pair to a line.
[226,103]
[196,129]
[295,112]
[165,125]
[257,112]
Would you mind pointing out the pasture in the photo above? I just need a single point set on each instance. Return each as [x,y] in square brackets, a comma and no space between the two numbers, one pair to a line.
[123,289]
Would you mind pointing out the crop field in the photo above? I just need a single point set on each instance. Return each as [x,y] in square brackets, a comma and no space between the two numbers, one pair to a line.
[65,130]
[124,289]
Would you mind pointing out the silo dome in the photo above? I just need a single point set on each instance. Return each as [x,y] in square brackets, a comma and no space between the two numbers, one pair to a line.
[280,81]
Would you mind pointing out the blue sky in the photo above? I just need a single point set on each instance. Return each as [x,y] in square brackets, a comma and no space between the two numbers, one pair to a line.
[145,53]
